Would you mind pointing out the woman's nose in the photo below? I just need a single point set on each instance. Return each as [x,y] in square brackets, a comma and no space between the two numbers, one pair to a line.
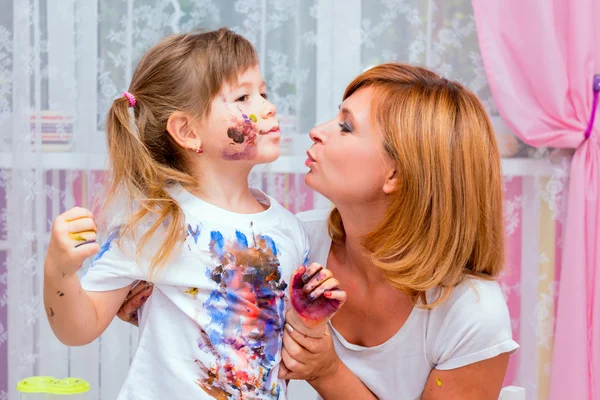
[268,110]
[317,134]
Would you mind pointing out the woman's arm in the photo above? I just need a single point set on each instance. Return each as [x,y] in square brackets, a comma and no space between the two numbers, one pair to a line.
[316,361]
[480,380]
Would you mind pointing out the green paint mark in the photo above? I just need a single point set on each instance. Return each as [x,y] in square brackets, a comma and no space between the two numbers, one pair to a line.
[253,118]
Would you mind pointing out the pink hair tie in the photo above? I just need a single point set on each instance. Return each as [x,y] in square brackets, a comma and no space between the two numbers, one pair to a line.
[131,98]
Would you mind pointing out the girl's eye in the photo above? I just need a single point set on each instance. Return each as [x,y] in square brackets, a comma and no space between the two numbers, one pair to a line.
[242,98]
[265,96]
[344,127]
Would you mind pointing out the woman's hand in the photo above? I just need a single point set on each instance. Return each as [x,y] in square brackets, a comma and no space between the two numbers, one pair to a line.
[136,298]
[307,358]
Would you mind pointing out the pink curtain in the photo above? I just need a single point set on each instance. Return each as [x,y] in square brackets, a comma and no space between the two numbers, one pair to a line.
[539,56]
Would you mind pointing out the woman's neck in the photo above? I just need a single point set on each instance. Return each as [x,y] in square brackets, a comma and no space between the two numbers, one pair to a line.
[359,221]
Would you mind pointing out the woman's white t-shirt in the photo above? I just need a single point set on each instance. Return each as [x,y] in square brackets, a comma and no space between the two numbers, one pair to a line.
[470,326]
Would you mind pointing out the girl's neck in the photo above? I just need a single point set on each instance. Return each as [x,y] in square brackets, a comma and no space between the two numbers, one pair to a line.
[226,188]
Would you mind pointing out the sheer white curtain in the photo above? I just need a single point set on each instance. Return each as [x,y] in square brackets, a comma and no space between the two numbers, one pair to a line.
[63,61]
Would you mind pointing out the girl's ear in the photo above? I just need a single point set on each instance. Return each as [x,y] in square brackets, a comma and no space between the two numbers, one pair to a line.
[179,126]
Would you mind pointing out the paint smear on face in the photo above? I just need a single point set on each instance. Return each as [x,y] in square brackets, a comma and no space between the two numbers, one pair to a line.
[243,133]
[246,317]
[314,311]
[438,382]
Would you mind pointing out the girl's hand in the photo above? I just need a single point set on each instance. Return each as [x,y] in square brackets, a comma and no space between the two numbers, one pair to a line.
[315,297]
[73,239]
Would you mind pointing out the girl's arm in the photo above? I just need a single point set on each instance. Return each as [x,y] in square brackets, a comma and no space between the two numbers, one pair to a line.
[76,317]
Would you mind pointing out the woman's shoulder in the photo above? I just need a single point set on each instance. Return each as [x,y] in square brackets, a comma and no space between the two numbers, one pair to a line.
[317,216]
[473,297]
[315,223]
[472,324]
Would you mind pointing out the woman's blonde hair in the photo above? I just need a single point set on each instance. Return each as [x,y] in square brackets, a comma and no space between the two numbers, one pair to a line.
[183,72]
[444,222]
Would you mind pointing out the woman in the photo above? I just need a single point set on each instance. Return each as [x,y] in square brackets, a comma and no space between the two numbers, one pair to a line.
[415,239]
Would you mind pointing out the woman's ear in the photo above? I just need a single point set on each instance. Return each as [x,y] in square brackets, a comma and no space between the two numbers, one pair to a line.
[179,126]
[391,182]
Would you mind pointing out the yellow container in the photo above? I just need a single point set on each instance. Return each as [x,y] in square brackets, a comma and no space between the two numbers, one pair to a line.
[48,387]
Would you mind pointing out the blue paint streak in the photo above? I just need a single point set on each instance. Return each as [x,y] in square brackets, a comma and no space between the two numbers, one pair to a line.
[241,239]
[103,249]
[306,257]
[106,245]
[270,244]
[195,233]
[216,238]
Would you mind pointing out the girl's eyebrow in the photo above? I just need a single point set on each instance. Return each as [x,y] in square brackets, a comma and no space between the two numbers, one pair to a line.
[248,84]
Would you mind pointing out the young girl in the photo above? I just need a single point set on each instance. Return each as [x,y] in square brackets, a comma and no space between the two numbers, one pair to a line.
[219,253]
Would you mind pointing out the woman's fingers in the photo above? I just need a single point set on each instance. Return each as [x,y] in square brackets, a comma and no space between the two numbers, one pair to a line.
[137,288]
[296,351]
[135,299]
[289,361]
[308,343]
[283,371]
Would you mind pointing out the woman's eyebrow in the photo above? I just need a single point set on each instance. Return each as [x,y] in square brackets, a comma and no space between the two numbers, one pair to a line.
[346,112]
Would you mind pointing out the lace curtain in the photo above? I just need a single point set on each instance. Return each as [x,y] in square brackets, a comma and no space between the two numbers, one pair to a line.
[62,62]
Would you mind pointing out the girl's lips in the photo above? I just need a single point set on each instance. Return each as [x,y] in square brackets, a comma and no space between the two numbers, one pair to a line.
[270,131]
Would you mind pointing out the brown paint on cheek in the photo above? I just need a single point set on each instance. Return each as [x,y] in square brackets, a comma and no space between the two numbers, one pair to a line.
[235,135]
[243,134]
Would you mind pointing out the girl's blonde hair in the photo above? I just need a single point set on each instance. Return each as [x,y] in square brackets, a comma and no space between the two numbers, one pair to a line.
[444,222]
[183,72]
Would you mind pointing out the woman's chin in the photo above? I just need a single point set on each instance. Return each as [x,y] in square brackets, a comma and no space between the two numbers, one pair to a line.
[312,181]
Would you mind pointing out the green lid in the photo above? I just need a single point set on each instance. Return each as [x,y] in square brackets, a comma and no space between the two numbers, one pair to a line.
[49,384]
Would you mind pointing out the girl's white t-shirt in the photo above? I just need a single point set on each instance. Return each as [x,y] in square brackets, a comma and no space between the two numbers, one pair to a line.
[470,326]
[213,326]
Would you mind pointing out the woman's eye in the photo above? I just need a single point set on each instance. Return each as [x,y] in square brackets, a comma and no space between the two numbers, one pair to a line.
[265,96]
[242,98]
[344,127]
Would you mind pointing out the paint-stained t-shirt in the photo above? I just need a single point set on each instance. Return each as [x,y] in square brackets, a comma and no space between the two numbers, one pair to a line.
[214,323]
